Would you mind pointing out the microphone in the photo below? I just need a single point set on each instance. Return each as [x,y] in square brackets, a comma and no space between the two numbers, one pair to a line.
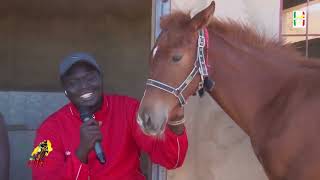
[86,116]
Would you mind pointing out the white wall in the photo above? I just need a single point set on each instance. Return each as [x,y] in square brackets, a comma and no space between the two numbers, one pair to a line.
[218,148]
[263,15]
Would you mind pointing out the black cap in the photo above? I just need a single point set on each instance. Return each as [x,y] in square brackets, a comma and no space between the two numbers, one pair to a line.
[74,58]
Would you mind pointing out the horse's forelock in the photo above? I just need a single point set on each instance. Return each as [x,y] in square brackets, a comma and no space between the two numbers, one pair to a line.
[175,20]
[176,24]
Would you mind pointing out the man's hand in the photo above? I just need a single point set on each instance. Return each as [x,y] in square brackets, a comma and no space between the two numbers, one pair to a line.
[176,122]
[89,134]
[177,129]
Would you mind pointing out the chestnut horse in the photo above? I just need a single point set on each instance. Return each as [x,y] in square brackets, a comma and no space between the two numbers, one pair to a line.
[271,91]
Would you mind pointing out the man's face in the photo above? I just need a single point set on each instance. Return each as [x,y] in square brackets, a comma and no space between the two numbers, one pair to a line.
[83,84]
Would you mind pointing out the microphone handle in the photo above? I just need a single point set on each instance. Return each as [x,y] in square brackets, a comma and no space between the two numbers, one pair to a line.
[99,152]
[97,147]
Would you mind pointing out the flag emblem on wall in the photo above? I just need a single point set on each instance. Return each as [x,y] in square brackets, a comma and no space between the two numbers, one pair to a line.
[299,19]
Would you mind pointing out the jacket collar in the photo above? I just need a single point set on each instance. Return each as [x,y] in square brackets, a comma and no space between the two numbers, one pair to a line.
[75,112]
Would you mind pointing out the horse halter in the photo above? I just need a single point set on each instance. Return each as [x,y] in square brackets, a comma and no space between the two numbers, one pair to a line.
[199,67]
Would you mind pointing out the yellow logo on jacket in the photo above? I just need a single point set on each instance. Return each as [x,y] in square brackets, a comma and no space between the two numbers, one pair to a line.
[40,152]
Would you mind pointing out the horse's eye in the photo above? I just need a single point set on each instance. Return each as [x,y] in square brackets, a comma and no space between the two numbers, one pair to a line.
[176,58]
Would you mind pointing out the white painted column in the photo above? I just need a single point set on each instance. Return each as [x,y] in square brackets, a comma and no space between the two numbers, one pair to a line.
[159,8]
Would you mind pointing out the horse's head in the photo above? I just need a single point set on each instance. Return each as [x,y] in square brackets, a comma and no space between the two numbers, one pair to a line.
[172,60]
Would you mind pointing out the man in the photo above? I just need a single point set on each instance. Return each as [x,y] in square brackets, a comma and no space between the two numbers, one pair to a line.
[64,143]
[4,150]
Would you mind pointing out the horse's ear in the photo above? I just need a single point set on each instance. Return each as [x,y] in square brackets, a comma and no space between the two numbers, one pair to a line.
[201,19]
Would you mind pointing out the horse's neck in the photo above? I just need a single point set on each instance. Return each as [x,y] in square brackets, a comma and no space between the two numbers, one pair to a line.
[246,78]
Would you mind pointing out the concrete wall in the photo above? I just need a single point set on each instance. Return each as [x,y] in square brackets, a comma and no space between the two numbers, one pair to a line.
[23,112]
[35,45]
[219,149]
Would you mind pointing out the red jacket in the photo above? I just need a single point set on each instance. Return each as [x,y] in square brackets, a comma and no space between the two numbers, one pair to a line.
[122,143]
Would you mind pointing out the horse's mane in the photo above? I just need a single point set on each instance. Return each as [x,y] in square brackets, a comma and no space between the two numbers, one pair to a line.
[235,32]
[242,32]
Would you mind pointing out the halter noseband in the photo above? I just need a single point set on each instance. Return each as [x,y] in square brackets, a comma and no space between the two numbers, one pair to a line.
[199,67]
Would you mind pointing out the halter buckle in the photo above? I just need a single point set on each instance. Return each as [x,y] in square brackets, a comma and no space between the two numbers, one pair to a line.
[201,42]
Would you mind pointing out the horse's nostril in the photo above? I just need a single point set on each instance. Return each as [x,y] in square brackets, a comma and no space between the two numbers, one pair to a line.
[148,121]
